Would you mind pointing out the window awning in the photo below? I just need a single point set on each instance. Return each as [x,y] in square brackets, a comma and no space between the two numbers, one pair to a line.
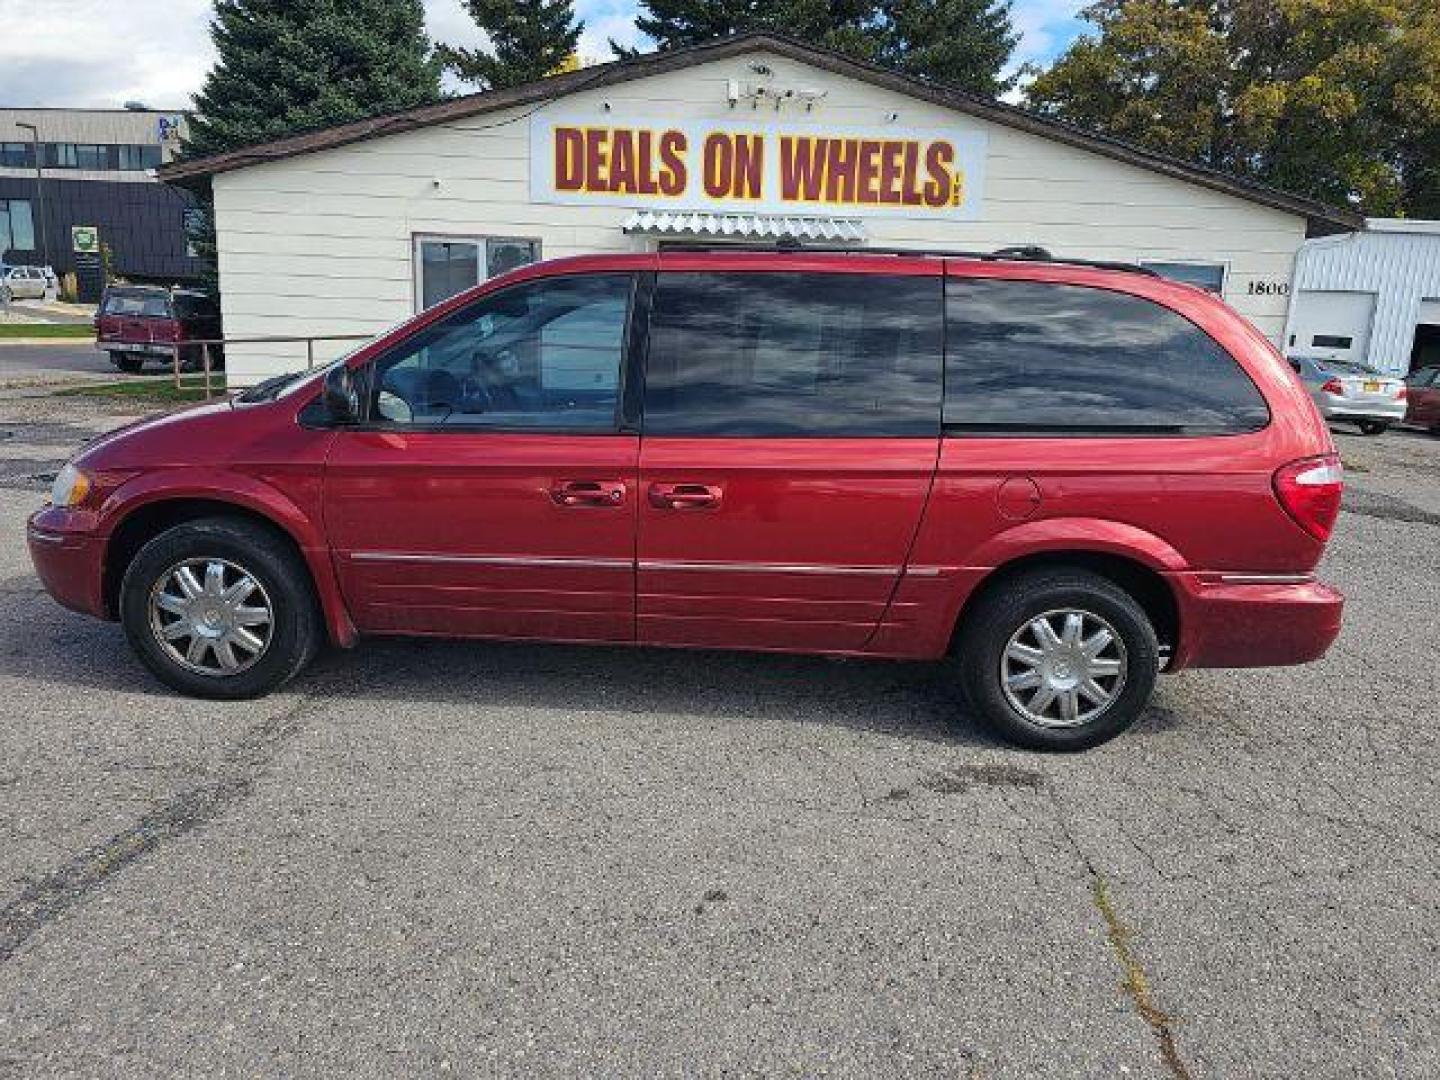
[707,226]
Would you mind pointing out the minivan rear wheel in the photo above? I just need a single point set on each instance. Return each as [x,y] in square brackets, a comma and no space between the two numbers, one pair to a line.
[220,608]
[1058,659]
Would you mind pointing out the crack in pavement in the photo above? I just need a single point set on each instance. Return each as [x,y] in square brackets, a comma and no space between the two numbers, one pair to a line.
[1136,984]
[45,900]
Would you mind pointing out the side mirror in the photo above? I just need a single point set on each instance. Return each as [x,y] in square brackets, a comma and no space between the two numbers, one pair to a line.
[342,396]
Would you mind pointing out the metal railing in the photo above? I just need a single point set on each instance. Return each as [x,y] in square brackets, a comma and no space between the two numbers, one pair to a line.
[207,364]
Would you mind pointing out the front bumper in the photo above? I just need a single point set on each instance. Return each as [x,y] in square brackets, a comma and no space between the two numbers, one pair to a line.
[1253,620]
[70,563]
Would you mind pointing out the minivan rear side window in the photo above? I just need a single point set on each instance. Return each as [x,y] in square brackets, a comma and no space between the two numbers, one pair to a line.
[1028,357]
[794,354]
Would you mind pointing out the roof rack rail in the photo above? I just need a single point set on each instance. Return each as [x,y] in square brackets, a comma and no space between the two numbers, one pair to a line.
[1018,253]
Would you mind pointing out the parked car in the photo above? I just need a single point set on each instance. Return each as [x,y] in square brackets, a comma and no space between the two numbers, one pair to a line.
[1018,465]
[1346,391]
[138,322]
[21,283]
[1424,399]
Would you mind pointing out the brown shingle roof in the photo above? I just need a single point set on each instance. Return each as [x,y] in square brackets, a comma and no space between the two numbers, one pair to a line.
[1322,218]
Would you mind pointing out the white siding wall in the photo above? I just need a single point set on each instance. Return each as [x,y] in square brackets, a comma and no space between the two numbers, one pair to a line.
[321,243]
[1402,269]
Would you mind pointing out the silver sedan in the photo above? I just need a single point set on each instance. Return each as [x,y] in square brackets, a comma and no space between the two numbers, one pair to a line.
[1346,391]
[22,283]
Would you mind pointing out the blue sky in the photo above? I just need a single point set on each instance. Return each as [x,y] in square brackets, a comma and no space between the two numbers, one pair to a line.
[102,53]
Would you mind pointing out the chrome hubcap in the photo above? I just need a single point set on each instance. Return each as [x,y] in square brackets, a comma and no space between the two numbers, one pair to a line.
[1063,668]
[211,616]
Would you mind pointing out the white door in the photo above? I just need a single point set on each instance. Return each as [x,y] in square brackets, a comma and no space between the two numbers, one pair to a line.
[1331,325]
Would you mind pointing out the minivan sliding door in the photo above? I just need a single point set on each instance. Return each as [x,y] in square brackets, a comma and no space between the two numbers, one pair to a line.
[790,432]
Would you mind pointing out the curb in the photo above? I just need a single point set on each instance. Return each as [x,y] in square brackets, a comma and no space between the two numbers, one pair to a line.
[47,341]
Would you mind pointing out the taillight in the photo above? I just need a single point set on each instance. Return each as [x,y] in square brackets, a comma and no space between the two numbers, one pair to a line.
[1403,394]
[1310,490]
[1333,386]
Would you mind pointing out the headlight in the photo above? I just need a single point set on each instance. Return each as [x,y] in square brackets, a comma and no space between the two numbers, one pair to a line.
[70,488]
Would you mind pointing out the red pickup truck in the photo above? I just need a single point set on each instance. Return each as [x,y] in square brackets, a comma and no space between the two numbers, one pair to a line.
[139,322]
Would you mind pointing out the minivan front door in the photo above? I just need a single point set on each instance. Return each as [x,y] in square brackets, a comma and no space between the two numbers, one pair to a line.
[790,433]
[490,491]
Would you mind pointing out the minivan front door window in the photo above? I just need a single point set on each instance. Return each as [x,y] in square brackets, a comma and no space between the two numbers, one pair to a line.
[540,355]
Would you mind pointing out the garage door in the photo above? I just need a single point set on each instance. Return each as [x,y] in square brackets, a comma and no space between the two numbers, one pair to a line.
[1331,324]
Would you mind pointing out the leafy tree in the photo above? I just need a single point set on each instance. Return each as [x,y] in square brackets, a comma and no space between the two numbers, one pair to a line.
[965,43]
[531,39]
[288,65]
[1335,99]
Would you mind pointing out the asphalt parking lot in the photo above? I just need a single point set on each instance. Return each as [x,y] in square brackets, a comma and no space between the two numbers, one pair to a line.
[496,859]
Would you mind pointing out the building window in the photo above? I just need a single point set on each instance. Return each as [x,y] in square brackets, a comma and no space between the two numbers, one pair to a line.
[17,226]
[91,156]
[60,155]
[446,265]
[137,157]
[1208,276]
[17,155]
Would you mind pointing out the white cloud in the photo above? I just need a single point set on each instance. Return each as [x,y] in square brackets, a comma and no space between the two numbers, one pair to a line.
[102,53]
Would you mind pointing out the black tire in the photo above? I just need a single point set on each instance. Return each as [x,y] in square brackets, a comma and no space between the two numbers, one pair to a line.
[294,632]
[1008,608]
[129,363]
[1373,427]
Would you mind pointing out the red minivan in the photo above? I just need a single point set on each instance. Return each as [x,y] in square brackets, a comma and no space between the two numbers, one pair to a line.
[1064,477]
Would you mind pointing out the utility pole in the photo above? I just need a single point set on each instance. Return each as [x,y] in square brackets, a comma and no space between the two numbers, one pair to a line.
[39,192]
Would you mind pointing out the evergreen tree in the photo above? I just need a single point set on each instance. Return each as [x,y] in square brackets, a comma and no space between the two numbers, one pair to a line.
[964,43]
[288,65]
[530,38]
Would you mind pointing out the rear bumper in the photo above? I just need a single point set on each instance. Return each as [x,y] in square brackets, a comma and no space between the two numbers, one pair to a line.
[1253,620]
[1348,409]
[69,564]
[137,348]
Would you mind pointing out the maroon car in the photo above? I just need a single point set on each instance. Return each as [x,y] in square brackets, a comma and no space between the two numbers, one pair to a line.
[139,322]
[1423,401]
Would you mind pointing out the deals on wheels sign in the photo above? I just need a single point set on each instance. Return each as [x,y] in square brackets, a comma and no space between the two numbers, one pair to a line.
[758,168]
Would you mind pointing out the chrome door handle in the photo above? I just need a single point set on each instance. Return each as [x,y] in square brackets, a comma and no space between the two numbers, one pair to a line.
[685,496]
[591,493]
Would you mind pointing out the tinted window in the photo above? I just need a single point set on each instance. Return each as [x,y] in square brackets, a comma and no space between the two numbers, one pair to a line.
[542,355]
[193,306]
[788,354]
[1027,356]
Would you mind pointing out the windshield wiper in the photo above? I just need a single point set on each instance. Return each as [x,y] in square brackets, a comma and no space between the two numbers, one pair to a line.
[270,388]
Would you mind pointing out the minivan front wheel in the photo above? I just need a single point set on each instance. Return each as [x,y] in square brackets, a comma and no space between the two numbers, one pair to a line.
[1058,659]
[220,608]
